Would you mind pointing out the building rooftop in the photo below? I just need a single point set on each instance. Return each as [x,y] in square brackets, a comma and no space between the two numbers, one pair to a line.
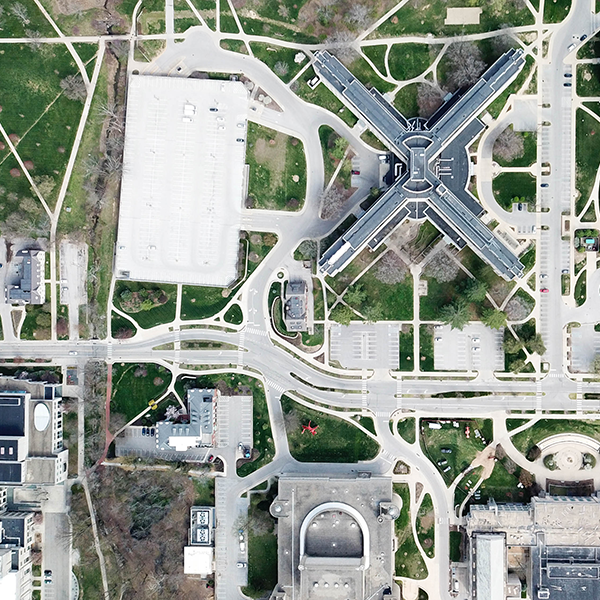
[30,288]
[432,186]
[183,180]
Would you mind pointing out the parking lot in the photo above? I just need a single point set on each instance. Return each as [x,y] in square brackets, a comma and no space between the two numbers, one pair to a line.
[364,346]
[474,348]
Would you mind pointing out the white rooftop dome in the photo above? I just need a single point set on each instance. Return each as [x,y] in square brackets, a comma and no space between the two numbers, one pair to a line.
[41,416]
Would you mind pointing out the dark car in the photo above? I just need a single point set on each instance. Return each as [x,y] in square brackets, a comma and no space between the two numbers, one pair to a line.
[213,109]
[567,84]
[144,431]
[568,74]
[152,432]
[583,37]
[545,184]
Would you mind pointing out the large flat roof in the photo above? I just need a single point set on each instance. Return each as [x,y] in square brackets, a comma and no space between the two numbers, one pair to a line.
[183,180]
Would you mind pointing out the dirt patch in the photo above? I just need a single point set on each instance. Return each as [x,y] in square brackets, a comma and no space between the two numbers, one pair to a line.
[271,153]
[427,521]
[2,145]
[61,149]
[427,543]
[15,172]
[14,138]
[71,7]
[157,381]
[28,164]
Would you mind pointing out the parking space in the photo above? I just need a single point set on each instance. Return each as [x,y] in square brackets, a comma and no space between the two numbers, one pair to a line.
[474,348]
[585,345]
[363,346]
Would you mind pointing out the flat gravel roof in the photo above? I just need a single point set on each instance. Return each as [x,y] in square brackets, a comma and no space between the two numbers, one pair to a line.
[183,180]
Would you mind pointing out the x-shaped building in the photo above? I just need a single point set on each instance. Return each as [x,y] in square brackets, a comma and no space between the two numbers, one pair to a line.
[436,168]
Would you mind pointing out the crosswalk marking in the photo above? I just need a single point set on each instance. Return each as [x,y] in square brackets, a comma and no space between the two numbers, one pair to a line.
[364,389]
[242,339]
[579,396]
[538,396]
[275,386]
[399,392]
[254,331]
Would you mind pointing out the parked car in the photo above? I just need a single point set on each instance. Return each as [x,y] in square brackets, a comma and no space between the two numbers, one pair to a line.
[545,185]
[355,172]
[144,431]
[583,37]
[47,576]
[544,290]
[565,271]
[568,74]
[567,84]
[241,565]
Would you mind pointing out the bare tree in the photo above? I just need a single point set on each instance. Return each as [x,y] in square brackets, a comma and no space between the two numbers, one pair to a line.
[281,68]
[359,15]
[340,43]
[332,202]
[509,145]
[466,64]
[34,36]
[429,98]
[74,88]
[442,267]
[19,11]
[391,268]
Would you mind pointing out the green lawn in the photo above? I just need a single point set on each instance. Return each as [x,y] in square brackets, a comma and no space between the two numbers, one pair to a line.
[526,439]
[319,301]
[408,560]
[279,59]
[410,60]
[205,491]
[502,485]
[36,325]
[407,348]
[262,546]
[277,178]
[234,315]
[361,69]
[227,24]
[514,423]
[238,46]
[455,546]
[440,294]
[495,108]
[406,100]
[336,440]
[377,56]
[427,16]
[454,438]
[426,359]
[407,429]
[202,302]
[164,313]
[33,20]
[395,301]
[426,526]
[134,385]
[587,155]
[591,48]
[581,289]
[555,11]
[510,188]
[328,137]
[321,96]
[588,83]
[280,32]
[121,328]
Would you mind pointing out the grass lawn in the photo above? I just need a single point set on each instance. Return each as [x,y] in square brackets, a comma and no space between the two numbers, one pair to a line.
[495,108]
[336,440]
[279,59]
[454,438]
[24,98]
[202,302]
[581,289]
[394,300]
[502,485]
[281,32]
[158,315]
[134,385]
[587,155]
[526,439]
[514,187]
[205,491]
[277,179]
[440,294]
[514,423]
[181,23]
[372,140]
[407,348]
[344,278]
[33,20]
[410,60]
[426,359]
[529,152]
[328,137]
[361,69]
[319,300]
[121,328]
[315,339]
[238,46]
[36,325]
[234,315]
[407,430]
[406,100]
[588,83]
[555,11]
[227,24]
[262,546]
[427,16]
[466,484]
[321,96]
[591,48]
[483,272]
[455,546]
[426,526]
[408,560]
[377,56]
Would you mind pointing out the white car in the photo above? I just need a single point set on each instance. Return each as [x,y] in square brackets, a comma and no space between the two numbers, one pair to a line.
[475,340]
[241,565]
